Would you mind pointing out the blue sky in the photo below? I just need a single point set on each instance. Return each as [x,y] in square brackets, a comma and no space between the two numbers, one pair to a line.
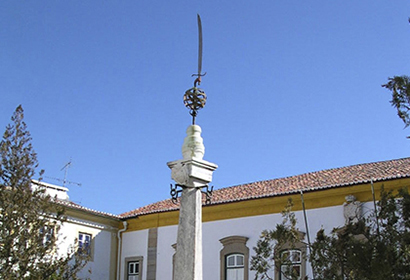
[293,86]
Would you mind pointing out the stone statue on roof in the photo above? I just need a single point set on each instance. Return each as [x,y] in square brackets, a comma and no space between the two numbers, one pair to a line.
[352,210]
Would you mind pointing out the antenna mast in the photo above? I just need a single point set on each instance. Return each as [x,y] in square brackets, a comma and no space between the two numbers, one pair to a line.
[65,181]
[65,167]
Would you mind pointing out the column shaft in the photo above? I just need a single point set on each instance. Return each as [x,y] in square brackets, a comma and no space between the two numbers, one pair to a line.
[188,259]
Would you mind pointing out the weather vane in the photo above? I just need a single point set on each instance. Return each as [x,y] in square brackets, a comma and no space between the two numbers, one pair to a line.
[195,98]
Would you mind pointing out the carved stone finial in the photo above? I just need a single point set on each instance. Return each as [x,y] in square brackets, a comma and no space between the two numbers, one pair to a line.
[193,147]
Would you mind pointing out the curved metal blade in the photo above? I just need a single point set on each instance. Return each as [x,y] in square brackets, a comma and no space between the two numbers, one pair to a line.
[199,46]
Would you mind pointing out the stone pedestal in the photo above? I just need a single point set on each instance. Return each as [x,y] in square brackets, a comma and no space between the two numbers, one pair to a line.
[192,173]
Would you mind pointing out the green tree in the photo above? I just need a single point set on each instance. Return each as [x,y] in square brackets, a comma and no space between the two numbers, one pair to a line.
[377,247]
[30,220]
[268,249]
[400,88]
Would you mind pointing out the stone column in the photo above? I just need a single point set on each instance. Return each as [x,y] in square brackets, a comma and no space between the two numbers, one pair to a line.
[192,173]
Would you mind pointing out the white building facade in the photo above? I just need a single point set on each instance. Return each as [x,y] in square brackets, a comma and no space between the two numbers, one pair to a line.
[141,244]
[234,220]
[92,231]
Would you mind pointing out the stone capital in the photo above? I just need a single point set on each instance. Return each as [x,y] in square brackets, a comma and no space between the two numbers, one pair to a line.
[191,172]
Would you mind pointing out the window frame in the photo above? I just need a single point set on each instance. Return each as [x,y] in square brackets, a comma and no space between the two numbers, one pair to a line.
[292,263]
[47,234]
[234,245]
[298,246]
[138,260]
[235,265]
[90,246]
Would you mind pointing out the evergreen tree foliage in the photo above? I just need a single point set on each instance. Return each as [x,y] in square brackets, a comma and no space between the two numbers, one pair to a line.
[377,247]
[29,219]
[400,88]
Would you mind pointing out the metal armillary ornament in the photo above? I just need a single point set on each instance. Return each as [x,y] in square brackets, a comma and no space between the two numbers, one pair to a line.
[195,98]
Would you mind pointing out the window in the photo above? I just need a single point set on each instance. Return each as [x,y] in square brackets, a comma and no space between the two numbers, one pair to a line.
[84,243]
[234,267]
[234,258]
[47,235]
[291,264]
[133,268]
[292,260]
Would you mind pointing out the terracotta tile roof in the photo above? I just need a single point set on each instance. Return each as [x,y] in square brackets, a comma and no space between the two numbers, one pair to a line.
[330,178]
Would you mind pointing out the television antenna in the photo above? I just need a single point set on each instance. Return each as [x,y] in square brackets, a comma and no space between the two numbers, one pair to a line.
[65,181]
